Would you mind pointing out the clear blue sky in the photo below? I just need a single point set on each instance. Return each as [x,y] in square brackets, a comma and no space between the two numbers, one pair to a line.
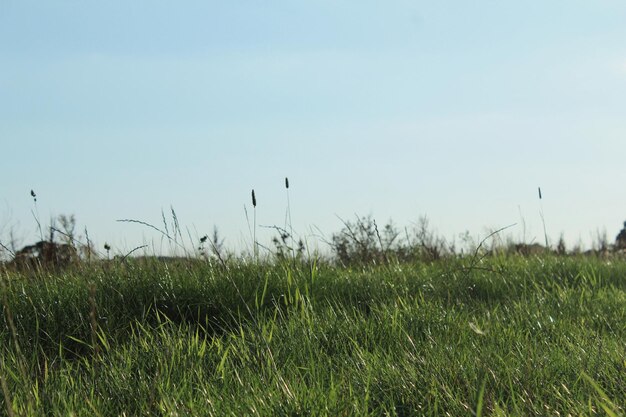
[452,109]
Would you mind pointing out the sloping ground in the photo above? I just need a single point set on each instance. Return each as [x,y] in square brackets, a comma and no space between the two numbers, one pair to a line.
[511,335]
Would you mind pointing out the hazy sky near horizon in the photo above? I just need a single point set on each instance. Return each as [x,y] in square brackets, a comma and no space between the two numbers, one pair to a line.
[450,109]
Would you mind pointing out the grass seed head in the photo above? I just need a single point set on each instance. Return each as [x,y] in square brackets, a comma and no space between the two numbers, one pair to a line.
[253,199]
[286,183]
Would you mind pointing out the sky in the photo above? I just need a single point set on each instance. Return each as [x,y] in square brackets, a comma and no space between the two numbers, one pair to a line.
[453,110]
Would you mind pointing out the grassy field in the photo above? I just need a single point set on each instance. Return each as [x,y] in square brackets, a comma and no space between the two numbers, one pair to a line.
[508,336]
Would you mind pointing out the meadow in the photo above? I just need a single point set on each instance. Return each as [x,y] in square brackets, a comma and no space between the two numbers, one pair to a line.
[497,335]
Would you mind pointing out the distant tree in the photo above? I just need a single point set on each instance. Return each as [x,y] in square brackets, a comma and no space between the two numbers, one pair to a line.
[620,240]
[68,228]
[560,247]
[357,242]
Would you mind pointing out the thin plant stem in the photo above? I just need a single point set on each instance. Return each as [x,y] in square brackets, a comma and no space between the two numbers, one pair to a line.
[255,247]
[7,394]
[293,252]
[543,220]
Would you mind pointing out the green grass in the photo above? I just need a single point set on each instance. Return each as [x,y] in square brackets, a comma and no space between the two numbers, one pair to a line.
[519,336]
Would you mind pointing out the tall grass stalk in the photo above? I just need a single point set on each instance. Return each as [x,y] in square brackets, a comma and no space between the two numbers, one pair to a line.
[288,218]
[5,392]
[256,247]
[164,233]
[35,214]
[543,220]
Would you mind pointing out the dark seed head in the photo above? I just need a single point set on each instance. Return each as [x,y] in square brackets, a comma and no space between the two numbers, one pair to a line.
[253,199]
[107,247]
[286,182]
[539,188]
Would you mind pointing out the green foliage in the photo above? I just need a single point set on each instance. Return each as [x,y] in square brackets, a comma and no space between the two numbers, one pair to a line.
[501,336]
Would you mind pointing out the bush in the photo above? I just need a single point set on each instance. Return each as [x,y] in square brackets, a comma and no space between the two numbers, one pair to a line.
[361,242]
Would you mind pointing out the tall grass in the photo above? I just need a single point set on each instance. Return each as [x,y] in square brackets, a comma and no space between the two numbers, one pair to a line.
[543,220]
[511,336]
